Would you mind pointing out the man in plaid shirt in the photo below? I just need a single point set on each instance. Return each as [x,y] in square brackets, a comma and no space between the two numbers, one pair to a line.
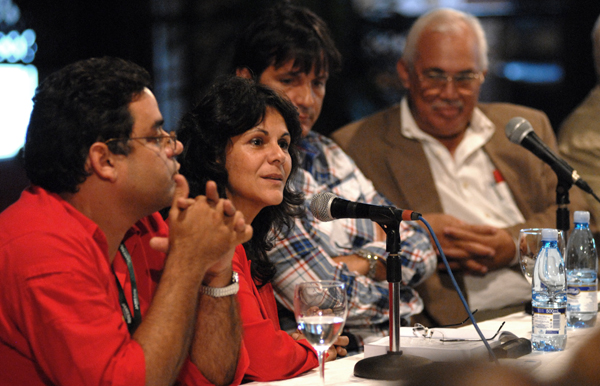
[290,49]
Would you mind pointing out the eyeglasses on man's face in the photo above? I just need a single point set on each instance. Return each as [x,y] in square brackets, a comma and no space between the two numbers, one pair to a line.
[160,141]
[434,81]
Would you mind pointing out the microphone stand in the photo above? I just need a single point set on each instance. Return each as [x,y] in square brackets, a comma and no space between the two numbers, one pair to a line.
[562,211]
[393,365]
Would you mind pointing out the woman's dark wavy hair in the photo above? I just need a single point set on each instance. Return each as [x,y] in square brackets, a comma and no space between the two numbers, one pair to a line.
[85,102]
[283,33]
[232,106]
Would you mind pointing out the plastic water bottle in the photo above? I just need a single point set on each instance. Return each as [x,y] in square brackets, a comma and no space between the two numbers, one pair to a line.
[582,277]
[549,296]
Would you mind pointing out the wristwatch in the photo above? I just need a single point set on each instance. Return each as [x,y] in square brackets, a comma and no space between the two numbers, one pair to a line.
[372,259]
[229,290]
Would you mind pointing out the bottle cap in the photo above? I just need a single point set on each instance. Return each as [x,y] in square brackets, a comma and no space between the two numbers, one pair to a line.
[581,216]
[549,234]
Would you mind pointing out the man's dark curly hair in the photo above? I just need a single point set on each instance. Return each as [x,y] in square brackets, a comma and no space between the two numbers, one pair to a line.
[83,103]
[230,107]
[283,33]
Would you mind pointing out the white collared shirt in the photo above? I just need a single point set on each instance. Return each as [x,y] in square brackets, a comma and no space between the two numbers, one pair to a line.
[473,190]
[469,185]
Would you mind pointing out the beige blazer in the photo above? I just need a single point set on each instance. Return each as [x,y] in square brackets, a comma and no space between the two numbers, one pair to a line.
[579,143]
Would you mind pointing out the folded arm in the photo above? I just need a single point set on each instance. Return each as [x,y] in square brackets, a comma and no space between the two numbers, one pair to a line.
[307,255]
[202,236]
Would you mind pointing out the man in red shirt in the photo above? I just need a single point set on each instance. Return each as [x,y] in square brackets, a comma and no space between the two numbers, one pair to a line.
[84,299]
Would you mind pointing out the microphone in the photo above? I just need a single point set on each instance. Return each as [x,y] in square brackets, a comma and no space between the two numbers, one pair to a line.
[519,131]
[326,206]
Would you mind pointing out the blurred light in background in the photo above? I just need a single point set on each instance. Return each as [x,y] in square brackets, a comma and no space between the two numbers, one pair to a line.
[527,72]
[15,47]
[415,8]
[18,81]
[18,86]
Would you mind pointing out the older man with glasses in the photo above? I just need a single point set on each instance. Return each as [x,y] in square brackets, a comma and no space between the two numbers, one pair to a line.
[442,153]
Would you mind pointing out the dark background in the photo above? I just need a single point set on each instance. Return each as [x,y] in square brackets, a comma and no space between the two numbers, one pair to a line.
[185,44]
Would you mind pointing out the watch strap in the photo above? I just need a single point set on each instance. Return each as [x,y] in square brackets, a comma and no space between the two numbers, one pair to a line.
[229,290]
[372,259]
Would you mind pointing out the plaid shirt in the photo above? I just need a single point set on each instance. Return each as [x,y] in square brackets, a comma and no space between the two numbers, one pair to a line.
[306,252]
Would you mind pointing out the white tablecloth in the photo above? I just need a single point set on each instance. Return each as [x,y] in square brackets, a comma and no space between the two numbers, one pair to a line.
[341,371]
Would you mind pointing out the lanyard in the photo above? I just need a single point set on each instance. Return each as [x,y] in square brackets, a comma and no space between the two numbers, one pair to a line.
[132,322]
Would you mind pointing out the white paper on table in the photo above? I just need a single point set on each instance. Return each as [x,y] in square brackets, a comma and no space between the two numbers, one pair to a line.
[438,351]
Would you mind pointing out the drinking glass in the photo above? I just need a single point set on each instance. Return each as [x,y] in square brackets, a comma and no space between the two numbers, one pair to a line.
[321,308]
[529,244]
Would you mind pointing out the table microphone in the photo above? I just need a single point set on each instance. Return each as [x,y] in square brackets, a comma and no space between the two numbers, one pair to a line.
[326,206]
[519,131]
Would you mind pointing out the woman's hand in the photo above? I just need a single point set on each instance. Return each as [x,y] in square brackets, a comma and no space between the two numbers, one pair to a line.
[336,349]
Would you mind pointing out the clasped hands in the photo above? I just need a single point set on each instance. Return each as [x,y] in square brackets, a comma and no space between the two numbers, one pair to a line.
[206,226]
[473,249]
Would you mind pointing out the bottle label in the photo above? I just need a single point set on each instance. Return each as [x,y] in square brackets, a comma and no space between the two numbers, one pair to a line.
[551,321]
[582,298]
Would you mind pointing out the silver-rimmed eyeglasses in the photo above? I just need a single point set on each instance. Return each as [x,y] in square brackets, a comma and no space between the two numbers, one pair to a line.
[162,141]
[421,331]
[466,82]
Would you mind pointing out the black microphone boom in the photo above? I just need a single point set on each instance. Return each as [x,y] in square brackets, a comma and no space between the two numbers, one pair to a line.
[326,206]
[519,131]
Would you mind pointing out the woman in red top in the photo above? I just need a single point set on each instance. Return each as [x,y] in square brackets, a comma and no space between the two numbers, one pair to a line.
[242,135]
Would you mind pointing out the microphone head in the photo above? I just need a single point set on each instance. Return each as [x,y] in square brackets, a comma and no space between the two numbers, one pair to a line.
[517,128]
[321,204]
